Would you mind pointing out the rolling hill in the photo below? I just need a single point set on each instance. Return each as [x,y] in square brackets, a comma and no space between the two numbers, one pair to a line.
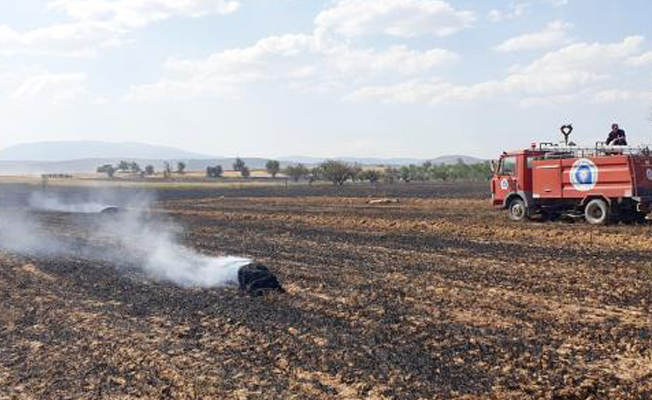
[86,156]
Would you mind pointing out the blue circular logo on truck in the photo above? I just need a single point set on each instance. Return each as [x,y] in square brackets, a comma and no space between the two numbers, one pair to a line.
[584,175]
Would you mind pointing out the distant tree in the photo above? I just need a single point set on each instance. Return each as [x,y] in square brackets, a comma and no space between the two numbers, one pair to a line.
[149,170]
[315,174]
[404,173]
[107,169]
[181,167]
[103,168]
[244,171]
[356,172]
[273,168]
[134,167]
[239,164]
[418,173]
[441,172]
[296,172]
[123,166]
[371,175]
[167,170]
[390,175]
[214,172]
[336,171]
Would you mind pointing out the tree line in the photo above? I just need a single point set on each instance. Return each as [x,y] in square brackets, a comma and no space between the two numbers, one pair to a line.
[334,171]
[134,168]
[339,172]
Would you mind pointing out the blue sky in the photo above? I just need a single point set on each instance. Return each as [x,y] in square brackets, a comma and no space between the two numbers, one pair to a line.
[383,78]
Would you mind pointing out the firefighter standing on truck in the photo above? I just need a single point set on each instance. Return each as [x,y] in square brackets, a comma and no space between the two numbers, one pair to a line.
[616,136]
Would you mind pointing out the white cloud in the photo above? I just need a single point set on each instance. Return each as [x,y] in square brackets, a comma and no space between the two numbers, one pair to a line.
[574,65]
[99,23]
[556,3]
[554,34]
[515,10]
[50,87]
[619,95]
[304,62]
[411,92]
[71,39]
[542,101]
[401,18]
[397,59]
[555,77]
[138,13]
[641,60]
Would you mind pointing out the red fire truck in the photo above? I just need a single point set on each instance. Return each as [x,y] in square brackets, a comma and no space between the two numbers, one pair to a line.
[603,184]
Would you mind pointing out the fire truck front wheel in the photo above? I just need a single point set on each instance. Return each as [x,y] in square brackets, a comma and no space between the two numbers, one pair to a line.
[597,212]
[517,210]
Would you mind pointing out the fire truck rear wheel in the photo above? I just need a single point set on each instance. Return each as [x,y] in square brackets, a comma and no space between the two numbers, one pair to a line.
[517,210]
[597,212]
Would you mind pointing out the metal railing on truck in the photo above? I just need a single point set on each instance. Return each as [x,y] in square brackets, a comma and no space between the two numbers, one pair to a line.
[601,149]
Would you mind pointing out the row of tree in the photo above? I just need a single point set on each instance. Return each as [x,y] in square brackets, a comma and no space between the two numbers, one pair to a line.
[273,168]
[339,172]
[134,168]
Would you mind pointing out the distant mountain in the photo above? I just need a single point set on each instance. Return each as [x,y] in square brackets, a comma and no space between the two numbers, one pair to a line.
[86,156]
[384,161]
[455,160]
[90,165]
[79,150]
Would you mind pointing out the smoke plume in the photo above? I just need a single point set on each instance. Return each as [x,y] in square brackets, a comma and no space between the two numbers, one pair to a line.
[41,201]
[129,239]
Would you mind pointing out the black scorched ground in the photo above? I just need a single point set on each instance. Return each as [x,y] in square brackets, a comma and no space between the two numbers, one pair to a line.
[433,297]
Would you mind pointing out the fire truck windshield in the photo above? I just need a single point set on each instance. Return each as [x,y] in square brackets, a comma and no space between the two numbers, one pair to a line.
[507,166]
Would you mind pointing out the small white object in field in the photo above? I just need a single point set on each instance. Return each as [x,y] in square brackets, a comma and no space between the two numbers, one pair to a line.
[384,201]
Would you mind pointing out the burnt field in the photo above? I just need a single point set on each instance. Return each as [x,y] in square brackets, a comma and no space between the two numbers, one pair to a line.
[437,296]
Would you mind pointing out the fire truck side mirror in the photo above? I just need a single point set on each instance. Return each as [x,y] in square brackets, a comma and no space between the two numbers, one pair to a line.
[494,166]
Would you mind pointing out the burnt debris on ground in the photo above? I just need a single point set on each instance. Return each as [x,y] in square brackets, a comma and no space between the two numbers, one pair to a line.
[257,280]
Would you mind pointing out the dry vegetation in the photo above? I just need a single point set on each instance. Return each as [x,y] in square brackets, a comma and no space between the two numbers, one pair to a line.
[435,296]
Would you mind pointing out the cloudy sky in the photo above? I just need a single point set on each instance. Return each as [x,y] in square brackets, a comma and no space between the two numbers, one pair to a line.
[386,78]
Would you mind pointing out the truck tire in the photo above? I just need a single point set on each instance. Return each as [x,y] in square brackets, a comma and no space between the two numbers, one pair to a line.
[597,212]
[517,210]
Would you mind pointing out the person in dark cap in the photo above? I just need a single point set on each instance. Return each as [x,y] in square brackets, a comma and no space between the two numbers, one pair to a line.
[616,136]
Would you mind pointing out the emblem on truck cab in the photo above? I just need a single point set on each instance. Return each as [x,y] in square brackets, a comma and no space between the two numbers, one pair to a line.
[584,175]
[648,174]
[504,184]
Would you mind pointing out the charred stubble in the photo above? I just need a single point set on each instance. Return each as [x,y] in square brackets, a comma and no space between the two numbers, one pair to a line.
[430,297]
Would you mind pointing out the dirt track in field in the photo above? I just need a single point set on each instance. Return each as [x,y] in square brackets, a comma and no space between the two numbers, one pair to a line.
[436,296]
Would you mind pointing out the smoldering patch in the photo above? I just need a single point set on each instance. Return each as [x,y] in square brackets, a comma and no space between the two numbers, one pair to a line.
[128,238]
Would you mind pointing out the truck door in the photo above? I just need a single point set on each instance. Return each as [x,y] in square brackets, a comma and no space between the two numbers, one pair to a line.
[546,177]
[504,180]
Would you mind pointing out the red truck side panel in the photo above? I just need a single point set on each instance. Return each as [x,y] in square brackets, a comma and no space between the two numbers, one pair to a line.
[613,178]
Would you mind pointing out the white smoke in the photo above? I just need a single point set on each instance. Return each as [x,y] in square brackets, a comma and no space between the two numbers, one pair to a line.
[186,268]
[21,234]
[126,239]
[42,201]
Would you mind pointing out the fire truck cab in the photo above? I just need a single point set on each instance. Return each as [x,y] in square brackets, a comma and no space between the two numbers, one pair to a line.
[603,184]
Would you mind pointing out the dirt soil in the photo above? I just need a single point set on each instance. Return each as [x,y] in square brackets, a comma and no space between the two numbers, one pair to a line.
[437,296]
